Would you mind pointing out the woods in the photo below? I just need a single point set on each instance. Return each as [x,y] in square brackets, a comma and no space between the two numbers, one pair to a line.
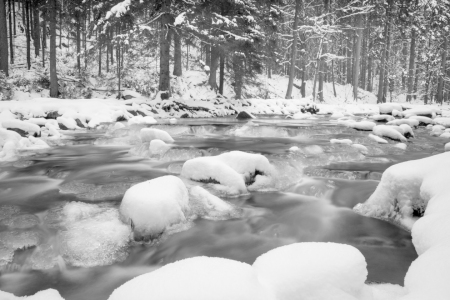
[389,47]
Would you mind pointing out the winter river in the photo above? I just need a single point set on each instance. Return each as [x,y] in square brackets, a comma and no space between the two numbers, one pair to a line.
[59,223]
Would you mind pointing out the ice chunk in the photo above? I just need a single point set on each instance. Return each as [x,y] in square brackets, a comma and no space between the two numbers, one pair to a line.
[343,141]
[151,206]
[21,221]
[401,146]
[49,294]
[378,139]
[294,148]
[6,254]
[158,147]
[94,235]
[313,271]
[390,132]
[20,239]
[149,134]
[198,278]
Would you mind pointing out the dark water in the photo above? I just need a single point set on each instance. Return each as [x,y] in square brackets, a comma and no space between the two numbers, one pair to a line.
[312,201]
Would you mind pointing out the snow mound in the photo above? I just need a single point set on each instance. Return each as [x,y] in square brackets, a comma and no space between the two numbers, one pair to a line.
[152,206]
[49,294]
[378,139]
[198,278]
[149,134]
[343,141]
[389,132]
[443,121]
[388,108]
[230,172]
[311,271]
[423,120]
[363,125]
[424,110]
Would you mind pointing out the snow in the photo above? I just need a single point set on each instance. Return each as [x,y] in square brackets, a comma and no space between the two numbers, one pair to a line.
[382,118]
[401,146]
[149,134]
[158,147]
[152,206]
[198,278]
[424,120]
[422,110]
[397,113]
[209,205]
[68,122]
[294,148]
[443,121]
[388,131]
[342,141]
[410,122]
[363,125]
[378,139]
[407,130]
[363,149]
[388,108]
[147,120]
[49,294]
[310,271]
[229,172]
[25,126]
[447,147]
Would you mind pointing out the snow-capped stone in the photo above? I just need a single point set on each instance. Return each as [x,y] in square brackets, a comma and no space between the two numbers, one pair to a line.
[388,108]
[147,120]
[378,139]
[401,146]
[314,271]
[443,121]
[67,122]
[397,113]
[410,122]
[152,206]
[8,135]
[447,147]
[198,278]
[24,126]
[243,115]
[407,130]
[382,118]
[363,125]
[424,110]
[158,147]
[423,120]
[341,141]
[149,134]
[389,132]
[445,135]
[207,204]
[363,149]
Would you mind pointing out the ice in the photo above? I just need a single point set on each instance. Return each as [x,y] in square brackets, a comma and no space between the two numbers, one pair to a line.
[16,239]
[401,146]
[21,221]
[312,150]
[44,256]
[92,192]
[49,294]
[158,147]
[230,172]
[93,235]
[152,206]
[149,134]
[313,271]
[258,131]
[363,149]
[7,211]
[6,254]
[207,205]
[389,131]
[198,278]
[148,120]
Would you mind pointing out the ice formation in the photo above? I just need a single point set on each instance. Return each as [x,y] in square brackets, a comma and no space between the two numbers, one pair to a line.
[151,206]
[408,190]
[198,278]
[230,172]
[208,205]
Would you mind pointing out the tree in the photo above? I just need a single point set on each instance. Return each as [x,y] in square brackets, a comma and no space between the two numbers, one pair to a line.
[53,75]
[294,49]
[3,39]
[356,65]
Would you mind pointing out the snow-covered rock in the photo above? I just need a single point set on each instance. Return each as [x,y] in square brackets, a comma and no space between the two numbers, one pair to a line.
[363,149]
[231,171]
[243,115]
[49,294]
[388,108]
[423,120]
[397,113]
[382,118]
[407,130]
[198,278]
[294,148]
[341,141]
[68,122]
[311,271]
[389,132]
[147,120]
[410,122]
[424,110]
[150,207]
[377,139]
[363,125]
[447,147]
[149,134]
[118,126]
[443,121]
[22,125]
[158,147]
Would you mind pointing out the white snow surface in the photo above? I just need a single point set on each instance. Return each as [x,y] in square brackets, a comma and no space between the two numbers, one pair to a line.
[149,134]
[410,122]
[25,126]
[389,132]
[154,205]
[158,147]
[388,108]
[49,294]
[363,125]
[378,139]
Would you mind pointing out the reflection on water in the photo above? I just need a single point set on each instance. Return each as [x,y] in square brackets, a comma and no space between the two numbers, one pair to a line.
[315,190]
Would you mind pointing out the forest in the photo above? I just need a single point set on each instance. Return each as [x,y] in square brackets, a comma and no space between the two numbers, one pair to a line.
[390,48]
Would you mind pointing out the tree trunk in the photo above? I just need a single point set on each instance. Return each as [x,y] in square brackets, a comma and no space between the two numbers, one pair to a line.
[36,29]
[221,72]
[27,33]
[53,75]
[44,36]
[187,56]
[164,64]
[294,50]
[385,55]
[323,63]
[412,65]
[177,68]
[215,53]
[14,16]
[440,91]
[60,23]
[208,55]
[78,25]
[359,33]
[11,41]
[303,89]
[349,58]
[100,45]
[332,78]
[3,39]
[239,70]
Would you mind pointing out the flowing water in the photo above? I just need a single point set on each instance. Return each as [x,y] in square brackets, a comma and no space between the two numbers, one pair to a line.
[59,225]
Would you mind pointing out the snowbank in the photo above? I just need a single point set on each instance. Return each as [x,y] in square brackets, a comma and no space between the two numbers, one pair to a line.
[198,278]
[408,190]
[49,294]
[151,206]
